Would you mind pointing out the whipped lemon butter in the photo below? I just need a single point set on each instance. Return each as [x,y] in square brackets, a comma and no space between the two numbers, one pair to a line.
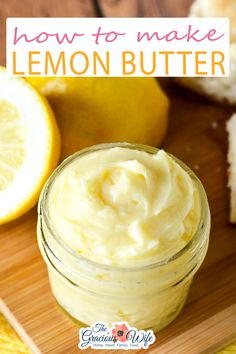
[123,229]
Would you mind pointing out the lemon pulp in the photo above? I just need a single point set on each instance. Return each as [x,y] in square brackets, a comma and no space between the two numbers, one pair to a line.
[12,149]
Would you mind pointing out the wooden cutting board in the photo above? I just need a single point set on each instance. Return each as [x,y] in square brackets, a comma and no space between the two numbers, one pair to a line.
[197,136]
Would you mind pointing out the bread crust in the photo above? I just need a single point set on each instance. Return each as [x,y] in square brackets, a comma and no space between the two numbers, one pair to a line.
[231,129]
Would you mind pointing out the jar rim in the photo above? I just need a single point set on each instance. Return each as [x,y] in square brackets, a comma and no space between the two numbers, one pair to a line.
[43,209]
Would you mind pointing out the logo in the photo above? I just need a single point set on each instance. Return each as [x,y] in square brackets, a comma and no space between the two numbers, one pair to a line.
[119,336]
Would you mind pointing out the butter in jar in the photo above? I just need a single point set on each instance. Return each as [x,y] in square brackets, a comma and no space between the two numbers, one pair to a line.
[123,228]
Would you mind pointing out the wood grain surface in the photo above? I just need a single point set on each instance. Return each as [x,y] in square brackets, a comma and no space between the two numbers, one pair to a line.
[197,136]
[144,8]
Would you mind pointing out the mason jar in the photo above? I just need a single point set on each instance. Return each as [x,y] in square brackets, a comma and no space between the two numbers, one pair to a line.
[147,297]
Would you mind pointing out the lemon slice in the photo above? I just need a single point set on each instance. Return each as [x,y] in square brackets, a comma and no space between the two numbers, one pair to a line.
[29,145]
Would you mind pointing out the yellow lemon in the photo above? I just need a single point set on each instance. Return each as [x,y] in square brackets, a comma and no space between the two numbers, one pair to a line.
[101,110]
[29,145]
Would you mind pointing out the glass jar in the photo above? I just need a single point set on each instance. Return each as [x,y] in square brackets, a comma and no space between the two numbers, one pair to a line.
[147,297]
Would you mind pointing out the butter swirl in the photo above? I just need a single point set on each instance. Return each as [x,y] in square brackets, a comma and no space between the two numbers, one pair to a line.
[125,207]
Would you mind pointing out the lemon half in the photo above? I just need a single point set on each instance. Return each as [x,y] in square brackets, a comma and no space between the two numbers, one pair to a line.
[29,145]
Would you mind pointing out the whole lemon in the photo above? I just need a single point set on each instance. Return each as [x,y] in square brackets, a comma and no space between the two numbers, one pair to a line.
[102,110]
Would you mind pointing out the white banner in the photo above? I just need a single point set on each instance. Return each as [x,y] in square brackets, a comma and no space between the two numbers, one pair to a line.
[118,47]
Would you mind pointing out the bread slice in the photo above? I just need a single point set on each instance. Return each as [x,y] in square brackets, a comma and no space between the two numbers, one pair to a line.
[216,8]
[231,129]
[222,89]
